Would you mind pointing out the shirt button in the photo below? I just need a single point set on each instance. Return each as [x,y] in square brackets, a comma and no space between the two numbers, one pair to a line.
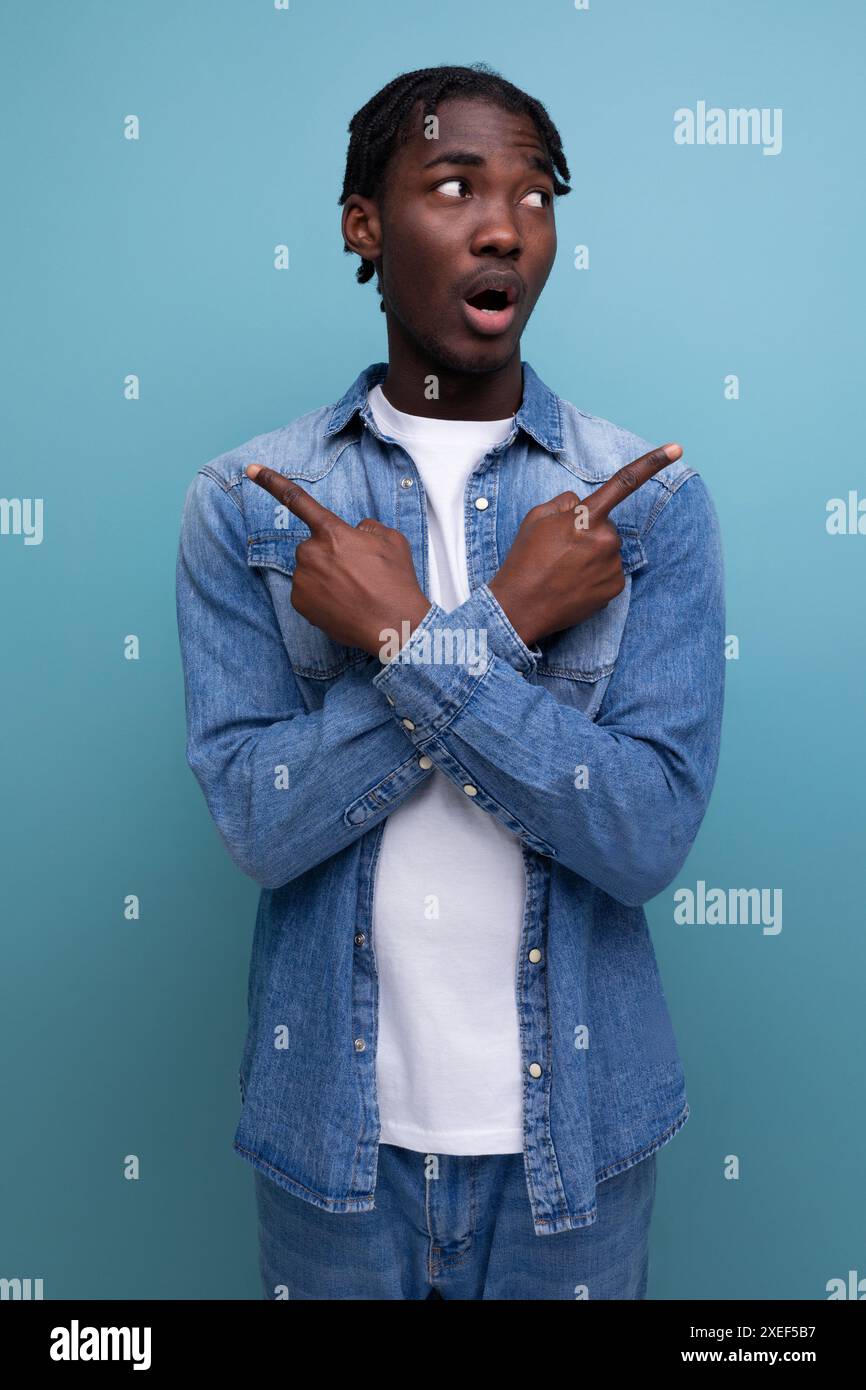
[360,1044]
[535,955]
[425,762]
[534,1068]
[405,482]
[407,723]
[470,790]
[482,504]
[360,938]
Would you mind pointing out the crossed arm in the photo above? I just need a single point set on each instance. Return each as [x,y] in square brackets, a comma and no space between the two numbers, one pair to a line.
[288,788]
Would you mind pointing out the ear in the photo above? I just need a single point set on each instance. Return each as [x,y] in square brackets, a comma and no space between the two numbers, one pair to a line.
[362,227]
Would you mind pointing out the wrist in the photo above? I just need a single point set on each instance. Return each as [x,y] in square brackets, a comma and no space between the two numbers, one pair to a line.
[391,639]
[511,606]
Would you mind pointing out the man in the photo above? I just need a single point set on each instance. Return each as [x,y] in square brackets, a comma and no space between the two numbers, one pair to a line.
[453,653]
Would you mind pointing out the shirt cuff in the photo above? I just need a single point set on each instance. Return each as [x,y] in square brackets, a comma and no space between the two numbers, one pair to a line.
[446,657]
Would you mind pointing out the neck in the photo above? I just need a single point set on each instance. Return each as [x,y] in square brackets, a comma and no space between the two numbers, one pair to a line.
[460,394]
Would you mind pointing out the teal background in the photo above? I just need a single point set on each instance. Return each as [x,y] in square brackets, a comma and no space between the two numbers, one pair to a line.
[155,257]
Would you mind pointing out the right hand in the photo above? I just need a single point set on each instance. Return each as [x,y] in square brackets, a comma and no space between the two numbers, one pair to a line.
[565,562]
[355,583]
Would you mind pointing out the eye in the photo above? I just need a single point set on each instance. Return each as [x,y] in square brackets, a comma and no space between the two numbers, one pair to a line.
[534,192]
[440,187]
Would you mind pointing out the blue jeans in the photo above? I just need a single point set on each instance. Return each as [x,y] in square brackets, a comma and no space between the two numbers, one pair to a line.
[456,1227]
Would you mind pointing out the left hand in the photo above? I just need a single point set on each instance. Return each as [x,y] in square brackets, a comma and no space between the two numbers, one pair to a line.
[356,583]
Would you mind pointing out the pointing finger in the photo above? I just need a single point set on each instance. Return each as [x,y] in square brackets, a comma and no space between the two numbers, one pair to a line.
[628,479]
[300,503]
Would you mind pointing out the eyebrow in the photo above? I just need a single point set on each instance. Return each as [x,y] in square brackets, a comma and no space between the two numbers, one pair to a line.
[535,161]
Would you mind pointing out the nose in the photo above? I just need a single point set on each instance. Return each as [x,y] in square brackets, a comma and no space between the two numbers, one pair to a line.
[496,231]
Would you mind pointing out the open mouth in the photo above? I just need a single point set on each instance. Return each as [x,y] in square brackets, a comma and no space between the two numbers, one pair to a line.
[490,301]
[490,311]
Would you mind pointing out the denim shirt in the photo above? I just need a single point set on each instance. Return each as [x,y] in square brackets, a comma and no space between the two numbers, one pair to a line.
[597,748]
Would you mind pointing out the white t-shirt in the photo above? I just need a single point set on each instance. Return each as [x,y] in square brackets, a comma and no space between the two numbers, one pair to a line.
[450,887]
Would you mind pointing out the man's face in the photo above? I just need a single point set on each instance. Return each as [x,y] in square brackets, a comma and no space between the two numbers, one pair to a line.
[472,204]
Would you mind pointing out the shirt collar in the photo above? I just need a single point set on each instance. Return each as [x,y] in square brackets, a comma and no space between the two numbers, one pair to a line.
[538,414]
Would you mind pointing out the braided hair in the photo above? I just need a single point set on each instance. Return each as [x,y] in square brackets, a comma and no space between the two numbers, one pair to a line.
[384,123]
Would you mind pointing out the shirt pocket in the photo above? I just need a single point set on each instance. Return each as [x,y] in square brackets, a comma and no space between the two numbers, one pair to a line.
[311,651]
[577,664]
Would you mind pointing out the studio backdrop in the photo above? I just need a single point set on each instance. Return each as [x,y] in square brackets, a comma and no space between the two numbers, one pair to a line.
[175,283]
